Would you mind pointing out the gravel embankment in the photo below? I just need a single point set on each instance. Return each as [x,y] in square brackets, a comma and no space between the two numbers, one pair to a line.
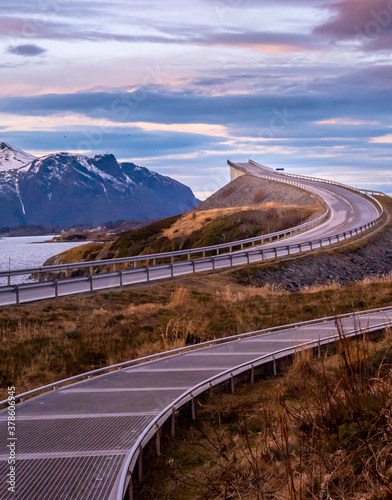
[344,266]
[248,191]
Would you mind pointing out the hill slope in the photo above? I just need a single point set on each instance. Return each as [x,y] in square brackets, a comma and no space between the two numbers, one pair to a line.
[250,191]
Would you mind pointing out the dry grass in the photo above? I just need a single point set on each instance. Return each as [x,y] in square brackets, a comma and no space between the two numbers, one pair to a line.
[321,432]
[50,340]
[195,220]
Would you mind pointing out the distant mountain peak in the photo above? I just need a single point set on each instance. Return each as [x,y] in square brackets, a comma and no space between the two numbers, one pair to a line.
[12,158]
[66,189]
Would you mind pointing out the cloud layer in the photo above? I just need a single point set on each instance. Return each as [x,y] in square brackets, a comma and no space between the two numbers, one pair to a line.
[180,87]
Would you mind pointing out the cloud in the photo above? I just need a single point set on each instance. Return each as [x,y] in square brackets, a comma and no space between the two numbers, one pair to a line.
[26,50]
[368,22]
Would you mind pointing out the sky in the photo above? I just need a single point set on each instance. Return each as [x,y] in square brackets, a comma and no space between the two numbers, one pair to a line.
[180,87]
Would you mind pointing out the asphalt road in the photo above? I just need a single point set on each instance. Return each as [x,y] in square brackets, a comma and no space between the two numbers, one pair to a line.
[349,210]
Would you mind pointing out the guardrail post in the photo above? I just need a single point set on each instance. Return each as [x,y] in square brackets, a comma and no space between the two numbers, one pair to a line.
[91,271]
[189,256]
[172,270]
[274,366]
[121,278]
[9,281]
[231,260]
[213,263]
[56,289]
[231,249]
[173,423]
[252,374]
[204,254]
[154,262]
[217,251]
[148,274]
[232,384]
[242,246]
[66,273]
[311,246]
[130,487]
[140,464]
[276,253]
[91,284]
[319,348]
[158,441]
[17,295]
[247,257]
[193,266]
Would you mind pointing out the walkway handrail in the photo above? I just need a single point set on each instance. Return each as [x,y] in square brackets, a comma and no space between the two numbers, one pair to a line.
[181,350]
[159,419]
[164,255]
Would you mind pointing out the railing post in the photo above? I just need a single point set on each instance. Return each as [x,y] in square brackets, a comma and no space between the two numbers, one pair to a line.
[247,257]
[140,464]
[213,263]
[252,374]
[189,256]
[232,383]
[91,284]
[130,488]
[9,281]
[173,423]
[274,366]
[194,266]
[172,270]
[121,278]
[148,274]
[17,295]
[158,441]
[56,289]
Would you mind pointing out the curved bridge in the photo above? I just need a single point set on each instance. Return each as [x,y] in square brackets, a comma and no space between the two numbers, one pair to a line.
[349,213]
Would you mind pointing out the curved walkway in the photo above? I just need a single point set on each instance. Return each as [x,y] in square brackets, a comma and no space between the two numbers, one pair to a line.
[82,441]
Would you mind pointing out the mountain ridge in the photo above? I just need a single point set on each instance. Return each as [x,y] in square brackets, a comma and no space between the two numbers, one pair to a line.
[65,189]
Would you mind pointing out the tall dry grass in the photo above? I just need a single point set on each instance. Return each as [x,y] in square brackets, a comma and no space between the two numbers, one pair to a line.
[44,342]
[321,432]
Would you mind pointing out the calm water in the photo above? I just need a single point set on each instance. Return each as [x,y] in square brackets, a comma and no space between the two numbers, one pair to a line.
[28,251]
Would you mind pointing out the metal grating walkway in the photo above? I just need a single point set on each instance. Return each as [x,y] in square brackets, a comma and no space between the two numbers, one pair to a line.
[72,443]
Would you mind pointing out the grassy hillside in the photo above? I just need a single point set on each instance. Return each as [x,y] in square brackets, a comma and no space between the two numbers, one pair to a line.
[194,229]
[322,431]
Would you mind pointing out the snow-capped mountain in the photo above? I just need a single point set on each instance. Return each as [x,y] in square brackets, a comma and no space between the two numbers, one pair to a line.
[67,189]
[11,158]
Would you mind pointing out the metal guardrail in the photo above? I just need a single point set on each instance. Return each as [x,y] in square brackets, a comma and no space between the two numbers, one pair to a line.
[251,256]
[154,426]
[193,264]
[263,254]
[318,179]
[180,253]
